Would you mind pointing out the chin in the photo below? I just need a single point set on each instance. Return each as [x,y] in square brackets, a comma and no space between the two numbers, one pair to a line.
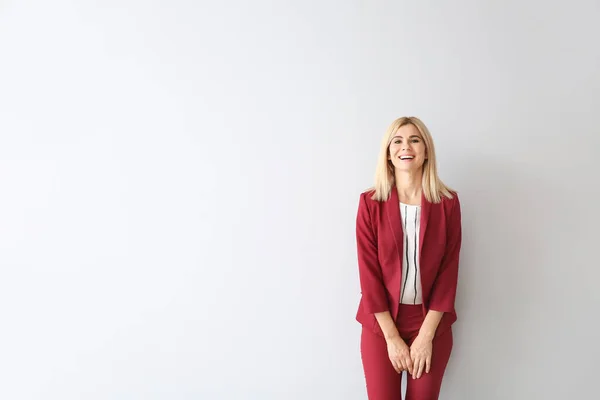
[409,168]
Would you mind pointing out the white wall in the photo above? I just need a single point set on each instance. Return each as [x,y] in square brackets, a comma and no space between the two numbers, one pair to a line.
[179,182]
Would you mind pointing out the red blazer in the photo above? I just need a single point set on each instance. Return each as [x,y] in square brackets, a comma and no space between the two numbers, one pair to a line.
[380,243]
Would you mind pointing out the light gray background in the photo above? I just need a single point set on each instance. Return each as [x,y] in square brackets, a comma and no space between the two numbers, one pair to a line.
[179,183]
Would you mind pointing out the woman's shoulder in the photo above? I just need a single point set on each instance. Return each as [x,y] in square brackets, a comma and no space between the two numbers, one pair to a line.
[451,196]
[367,195]
[450,200]
[368,192]
[366,201]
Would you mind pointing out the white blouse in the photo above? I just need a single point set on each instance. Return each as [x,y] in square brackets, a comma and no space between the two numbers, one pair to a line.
[410,289]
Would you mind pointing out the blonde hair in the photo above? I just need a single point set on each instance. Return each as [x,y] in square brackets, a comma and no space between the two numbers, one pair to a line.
[433,188]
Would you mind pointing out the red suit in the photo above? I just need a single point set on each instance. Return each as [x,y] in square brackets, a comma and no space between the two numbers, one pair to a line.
[380,247]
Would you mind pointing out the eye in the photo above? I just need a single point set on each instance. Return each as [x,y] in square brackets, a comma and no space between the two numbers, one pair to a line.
[415,141]
[397,141]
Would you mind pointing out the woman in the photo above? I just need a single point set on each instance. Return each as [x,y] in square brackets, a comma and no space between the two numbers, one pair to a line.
[408,232]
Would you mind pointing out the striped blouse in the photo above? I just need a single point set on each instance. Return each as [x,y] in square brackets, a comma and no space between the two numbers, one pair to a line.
[411,275]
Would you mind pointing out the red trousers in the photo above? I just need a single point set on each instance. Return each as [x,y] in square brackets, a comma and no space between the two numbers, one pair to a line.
[383,382]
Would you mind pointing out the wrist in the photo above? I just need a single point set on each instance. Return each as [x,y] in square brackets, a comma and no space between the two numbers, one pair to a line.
[427,334]
[391,336]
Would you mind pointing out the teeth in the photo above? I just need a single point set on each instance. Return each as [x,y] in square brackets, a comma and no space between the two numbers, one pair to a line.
[406,157]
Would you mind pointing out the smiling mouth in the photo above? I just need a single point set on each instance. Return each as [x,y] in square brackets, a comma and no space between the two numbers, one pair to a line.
[403,158]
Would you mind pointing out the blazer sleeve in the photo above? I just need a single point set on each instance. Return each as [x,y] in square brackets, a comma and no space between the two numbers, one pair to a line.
[443,291]
[371,278]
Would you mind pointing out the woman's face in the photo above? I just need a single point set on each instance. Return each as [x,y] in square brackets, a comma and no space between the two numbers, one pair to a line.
[407,149]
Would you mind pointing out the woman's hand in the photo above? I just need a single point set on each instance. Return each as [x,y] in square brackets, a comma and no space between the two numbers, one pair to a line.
[399,354]
[420,353]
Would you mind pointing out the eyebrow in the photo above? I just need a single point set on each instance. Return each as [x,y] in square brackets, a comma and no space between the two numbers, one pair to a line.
[411,136]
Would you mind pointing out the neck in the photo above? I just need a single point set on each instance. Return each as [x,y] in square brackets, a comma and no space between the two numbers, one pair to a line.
[409,184]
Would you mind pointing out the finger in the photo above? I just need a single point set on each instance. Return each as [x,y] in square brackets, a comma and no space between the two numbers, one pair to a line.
[396,366]
[415,360]
[409,365]
[428,363]
[415,367]
[403,364]
[421,368]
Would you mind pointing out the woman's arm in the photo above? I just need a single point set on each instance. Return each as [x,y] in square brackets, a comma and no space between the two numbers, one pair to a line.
[443,292]
[387,324]
[430,324]
[373,290]
[398,350]
[442,296]
[421,349]
[371,278]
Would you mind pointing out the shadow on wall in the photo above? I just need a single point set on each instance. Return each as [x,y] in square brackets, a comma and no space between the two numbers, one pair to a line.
[502,261]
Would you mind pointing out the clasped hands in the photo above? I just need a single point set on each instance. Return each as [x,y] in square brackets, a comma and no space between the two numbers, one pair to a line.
[415,359]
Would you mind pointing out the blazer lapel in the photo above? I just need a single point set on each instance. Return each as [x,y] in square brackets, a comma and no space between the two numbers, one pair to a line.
[425,208]
[395,220]
[392,206]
